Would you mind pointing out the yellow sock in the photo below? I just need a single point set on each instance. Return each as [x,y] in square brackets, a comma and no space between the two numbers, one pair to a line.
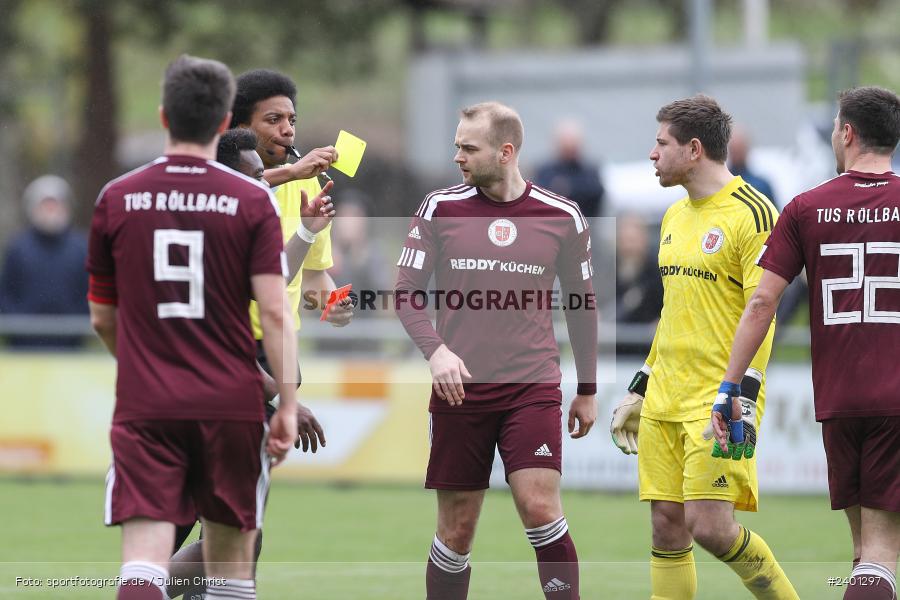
[673,575]
[753,561]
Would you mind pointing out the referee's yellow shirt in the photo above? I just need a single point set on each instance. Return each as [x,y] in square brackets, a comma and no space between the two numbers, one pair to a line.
[319,257]
[707,258]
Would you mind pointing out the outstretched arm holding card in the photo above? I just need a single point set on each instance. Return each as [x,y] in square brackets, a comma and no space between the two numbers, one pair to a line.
[345,156]
[310,165]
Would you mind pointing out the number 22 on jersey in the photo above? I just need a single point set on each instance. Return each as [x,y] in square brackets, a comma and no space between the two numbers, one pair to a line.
[856,280]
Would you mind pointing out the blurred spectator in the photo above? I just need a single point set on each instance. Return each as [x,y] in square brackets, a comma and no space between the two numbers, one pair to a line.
[43,270]
[570,174]
[639,290]
[795,295]
[358,256]
[738,151]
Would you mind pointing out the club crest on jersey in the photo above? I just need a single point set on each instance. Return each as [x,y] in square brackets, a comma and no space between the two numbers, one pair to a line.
[502,232]
[713,241]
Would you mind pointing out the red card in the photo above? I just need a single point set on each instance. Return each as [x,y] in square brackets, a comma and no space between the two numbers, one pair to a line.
[336,296]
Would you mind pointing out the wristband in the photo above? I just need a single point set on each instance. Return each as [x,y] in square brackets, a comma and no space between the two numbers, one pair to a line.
[731,390]
[638,385]
[305,234]
[586,389]
[722,405]
[750,384]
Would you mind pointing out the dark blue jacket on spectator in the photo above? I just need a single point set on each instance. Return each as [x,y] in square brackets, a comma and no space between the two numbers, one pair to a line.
[576,181]
[44,275]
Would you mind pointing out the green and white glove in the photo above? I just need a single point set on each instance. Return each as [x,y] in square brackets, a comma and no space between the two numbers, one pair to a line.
[742,433]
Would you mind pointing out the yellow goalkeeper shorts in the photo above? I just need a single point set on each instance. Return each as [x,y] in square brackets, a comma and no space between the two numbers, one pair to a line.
[675,464]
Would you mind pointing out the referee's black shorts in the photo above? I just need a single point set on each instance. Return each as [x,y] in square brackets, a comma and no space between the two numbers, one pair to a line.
[264,362]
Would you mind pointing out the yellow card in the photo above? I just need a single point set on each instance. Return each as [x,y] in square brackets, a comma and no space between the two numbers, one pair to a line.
[350,152]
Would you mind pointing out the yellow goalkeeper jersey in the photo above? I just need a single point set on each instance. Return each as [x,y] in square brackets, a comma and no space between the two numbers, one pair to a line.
[319,256]
[707,258]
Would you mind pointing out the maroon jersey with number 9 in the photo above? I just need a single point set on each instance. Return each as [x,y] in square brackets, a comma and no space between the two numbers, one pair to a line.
[182,236]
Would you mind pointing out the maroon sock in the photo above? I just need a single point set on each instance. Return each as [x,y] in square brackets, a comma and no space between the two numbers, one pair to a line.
[138,589]
[557,560]
[870,581]
[442,585]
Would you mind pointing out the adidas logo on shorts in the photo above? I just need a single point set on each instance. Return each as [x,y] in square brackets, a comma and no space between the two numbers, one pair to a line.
[414,234]
[555,585]
[721,482]
[544,450]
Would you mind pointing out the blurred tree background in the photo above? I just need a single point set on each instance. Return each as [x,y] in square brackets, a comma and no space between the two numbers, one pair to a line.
[79,79]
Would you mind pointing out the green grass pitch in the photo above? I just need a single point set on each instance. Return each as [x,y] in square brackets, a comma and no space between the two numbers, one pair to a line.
[334,543]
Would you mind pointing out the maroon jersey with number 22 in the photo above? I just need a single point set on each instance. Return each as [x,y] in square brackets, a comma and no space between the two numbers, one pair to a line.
[846,232]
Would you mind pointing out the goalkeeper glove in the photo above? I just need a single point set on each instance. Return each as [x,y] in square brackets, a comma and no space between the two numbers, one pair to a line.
[627,415]
[741,431]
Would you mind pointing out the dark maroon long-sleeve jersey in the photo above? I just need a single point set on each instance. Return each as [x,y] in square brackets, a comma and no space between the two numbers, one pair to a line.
[494,266]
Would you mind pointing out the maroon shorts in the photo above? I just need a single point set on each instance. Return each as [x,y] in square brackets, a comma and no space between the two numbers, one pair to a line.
[176,470]
[863,462]
[462,444]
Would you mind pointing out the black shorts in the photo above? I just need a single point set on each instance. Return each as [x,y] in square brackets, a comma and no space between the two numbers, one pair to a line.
[863,462]
[182,533]
[263,361]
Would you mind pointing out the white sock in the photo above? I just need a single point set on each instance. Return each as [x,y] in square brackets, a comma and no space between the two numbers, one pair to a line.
[230,589]
[146,571]
[876,570]
[446,559]
[547,534]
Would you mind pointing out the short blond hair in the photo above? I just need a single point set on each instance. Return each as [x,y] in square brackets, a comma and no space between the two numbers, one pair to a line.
[505,123]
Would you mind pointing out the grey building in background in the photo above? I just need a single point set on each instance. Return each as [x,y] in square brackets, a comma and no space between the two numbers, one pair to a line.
[614,93]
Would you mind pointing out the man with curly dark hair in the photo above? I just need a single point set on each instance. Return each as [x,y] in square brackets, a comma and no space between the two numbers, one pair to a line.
[264,103]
